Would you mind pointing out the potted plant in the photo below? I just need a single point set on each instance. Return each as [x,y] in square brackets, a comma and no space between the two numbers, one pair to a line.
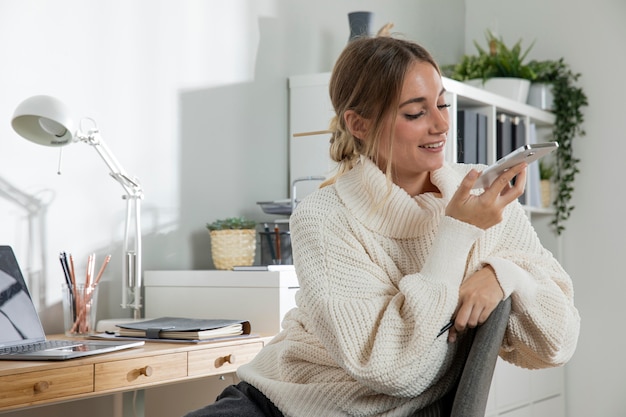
[546,173]
[233,242]
[568,100]
[495,68]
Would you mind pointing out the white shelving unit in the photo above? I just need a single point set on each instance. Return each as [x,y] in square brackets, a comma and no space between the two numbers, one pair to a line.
[515,392]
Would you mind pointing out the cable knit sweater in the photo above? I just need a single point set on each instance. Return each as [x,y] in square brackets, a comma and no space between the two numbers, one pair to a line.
[377,284]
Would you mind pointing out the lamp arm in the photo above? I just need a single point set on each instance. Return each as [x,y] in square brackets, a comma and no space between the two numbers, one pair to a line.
[131,272]
[130,185]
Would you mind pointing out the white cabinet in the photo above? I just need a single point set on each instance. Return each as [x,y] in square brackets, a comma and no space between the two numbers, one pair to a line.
[261,297]
[515,392]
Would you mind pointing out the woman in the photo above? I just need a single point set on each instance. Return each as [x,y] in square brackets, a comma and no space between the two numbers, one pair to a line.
[395,246]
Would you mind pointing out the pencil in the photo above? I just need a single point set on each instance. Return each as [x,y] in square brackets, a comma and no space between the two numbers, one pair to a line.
[66,270]
[277,235]
[315,132]
[72,271]
[104,265]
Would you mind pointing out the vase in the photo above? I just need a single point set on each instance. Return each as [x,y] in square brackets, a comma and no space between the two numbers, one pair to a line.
[509,87]
[233,247]
[546,193]
[360,24]
[540,95]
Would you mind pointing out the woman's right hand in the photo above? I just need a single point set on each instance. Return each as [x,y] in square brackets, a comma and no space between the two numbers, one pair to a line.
[485,210]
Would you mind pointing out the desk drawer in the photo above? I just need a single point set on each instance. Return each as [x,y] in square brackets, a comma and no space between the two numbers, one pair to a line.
[140,372]
[38,386]
[221,360]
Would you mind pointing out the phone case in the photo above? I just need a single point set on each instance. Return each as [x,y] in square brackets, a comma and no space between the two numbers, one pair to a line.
[526,153]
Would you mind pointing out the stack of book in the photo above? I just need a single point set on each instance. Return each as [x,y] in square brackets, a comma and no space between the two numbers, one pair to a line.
[184,328]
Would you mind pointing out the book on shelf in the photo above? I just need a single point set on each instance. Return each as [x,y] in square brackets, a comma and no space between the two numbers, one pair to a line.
[482,138]
[184,328]
[534,179]
[518,139]
[504,143]
[467,136]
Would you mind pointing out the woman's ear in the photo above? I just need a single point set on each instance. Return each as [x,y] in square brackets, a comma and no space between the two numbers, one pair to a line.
[356,124]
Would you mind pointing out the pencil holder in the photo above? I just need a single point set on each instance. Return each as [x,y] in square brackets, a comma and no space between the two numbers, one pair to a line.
[270,251]
[79,309]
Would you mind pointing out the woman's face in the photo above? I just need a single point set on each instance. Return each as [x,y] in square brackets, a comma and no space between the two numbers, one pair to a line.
[421,125]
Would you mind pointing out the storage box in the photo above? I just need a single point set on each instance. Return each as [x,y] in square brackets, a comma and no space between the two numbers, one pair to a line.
[261,297]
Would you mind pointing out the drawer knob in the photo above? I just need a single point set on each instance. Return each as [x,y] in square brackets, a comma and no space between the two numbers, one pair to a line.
[41,386]
[146,370]
[222,360]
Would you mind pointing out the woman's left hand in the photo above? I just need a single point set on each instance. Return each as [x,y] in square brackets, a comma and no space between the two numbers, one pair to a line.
[479,295]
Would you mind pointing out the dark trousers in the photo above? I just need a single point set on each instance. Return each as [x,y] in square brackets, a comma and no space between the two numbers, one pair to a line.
[241,400]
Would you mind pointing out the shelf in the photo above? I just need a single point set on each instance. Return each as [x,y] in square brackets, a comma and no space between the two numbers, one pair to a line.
[469,97]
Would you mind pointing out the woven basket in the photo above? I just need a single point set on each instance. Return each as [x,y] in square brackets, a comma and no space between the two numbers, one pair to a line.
[233,247]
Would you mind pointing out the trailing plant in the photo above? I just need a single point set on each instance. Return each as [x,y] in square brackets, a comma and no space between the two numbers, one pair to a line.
[232,223]
[569,99]
[497,60]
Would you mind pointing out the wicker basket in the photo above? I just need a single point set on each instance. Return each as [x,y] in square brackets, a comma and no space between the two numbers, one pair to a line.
[233,247]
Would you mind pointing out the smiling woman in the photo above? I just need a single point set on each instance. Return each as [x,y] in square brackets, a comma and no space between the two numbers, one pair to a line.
[391,249]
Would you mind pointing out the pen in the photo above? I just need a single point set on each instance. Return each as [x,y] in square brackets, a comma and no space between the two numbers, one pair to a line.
[269,241]
[445,328]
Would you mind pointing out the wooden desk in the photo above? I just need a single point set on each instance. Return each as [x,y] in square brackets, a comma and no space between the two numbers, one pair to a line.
[32,383]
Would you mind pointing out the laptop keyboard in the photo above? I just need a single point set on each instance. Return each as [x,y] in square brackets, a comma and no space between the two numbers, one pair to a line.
[35,347]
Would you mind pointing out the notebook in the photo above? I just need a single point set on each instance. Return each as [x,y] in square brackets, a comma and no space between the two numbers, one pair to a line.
[21,333]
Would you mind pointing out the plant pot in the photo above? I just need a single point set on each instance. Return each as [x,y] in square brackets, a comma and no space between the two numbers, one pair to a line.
[546,193]
[513,88]
[540,95]
[233,247]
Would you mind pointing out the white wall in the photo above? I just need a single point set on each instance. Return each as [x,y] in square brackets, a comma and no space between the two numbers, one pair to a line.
[190,96]
[590,35]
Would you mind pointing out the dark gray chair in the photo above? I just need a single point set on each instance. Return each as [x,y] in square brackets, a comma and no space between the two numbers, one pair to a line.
[471,395]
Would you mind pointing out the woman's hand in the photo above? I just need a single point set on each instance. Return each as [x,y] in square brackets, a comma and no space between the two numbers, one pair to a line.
[479,295]
[485,210]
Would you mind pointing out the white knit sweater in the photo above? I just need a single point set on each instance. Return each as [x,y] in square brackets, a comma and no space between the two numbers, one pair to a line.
[377,284]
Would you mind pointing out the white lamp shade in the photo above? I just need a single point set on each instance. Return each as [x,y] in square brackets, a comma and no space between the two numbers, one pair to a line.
[44,120]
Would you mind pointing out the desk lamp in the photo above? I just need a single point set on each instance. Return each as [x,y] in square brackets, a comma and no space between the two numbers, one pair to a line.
[47,121]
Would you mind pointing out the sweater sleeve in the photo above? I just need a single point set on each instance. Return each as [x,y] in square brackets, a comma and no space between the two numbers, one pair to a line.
[380,332]
[544,323]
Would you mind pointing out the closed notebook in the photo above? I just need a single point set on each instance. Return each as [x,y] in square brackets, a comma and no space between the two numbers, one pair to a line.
[184,328]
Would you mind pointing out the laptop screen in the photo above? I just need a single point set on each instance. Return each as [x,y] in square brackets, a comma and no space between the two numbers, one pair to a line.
[19,321]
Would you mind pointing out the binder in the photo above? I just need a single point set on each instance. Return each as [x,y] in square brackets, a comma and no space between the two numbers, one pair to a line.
[518,132]
[504,143]
[467,137]
[482,138]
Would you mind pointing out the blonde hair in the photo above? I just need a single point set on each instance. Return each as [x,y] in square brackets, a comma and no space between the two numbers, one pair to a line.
[367,79]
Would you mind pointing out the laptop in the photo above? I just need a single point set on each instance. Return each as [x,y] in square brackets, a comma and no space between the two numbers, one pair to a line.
[21,334]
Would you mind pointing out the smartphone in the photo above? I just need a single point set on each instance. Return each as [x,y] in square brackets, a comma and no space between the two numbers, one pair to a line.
[526,153]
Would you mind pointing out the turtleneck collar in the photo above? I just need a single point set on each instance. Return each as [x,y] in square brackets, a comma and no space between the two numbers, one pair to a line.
[386,208]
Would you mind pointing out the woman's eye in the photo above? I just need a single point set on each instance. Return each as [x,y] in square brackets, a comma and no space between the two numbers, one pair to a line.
[443,106]
[414,116]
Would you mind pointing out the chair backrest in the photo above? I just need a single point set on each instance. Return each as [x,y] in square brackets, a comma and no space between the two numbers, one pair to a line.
[470,399]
